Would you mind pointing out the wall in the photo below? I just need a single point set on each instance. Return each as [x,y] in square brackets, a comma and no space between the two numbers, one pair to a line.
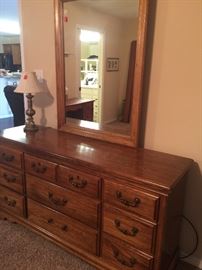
[112,29]
[174,113]
[116,44]
[38,51]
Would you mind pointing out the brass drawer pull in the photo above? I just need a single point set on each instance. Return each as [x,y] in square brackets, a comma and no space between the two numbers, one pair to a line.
[57,201]
[120,258]
[11,203]
[38,167]
[9,178]
[127,202]
[77,182]
[7,157]
[50,221]
[133,231]
[65,228]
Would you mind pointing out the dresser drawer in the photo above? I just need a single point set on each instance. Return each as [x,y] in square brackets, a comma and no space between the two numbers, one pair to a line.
[11,157]
[67,229]
[132,200]
[133,231]
[121,256]
[11,201]
[66,201]
[81,182]
[40,167]
[11,179]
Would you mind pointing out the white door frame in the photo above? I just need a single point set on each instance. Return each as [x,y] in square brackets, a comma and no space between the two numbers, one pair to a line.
[101,62]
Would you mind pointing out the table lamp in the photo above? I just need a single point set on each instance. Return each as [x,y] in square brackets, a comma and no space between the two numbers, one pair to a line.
[29,85]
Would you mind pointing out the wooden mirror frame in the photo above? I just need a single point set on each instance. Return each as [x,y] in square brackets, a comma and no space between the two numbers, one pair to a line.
[131,140]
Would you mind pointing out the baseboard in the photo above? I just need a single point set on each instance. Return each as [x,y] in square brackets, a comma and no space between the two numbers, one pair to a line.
[193,260]
[110,121]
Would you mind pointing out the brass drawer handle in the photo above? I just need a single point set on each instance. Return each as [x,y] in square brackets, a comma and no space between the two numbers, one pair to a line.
[9,178]
[132,232]
[11,203]
[77,182]
[57,201]
[65,228]
[7,157]
[38,167]
[120,258]
[127,202]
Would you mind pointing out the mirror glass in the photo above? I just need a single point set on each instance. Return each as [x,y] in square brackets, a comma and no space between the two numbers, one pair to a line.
[99,57]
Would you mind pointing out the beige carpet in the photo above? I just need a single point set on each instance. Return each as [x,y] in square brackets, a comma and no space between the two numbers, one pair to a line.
[24,250]
[21,249]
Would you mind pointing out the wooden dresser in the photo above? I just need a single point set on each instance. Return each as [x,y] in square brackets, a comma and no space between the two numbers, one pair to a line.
[79,108]
[114,206]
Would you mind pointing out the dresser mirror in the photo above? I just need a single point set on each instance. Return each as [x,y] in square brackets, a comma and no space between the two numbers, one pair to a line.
[100,49]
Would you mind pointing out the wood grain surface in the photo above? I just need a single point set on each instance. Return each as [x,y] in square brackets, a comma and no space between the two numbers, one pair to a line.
[150,168]
[129,206]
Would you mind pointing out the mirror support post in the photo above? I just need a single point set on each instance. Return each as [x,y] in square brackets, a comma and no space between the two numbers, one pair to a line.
[139,71]
[60,66]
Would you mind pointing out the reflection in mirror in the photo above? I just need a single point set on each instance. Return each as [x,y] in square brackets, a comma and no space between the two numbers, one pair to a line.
[11,104]
[99,56]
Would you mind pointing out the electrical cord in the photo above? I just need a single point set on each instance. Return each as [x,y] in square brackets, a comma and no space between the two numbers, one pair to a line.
[196,237]
[178,267]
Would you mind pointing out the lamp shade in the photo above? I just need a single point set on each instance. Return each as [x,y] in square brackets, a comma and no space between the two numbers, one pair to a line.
[28,83]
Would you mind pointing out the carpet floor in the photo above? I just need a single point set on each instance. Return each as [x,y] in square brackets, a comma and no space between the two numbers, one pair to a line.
[21,249]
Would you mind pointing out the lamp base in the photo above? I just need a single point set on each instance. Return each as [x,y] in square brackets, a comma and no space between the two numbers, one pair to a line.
[31,127]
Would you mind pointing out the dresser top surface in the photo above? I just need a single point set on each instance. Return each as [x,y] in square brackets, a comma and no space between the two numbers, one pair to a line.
[158,170]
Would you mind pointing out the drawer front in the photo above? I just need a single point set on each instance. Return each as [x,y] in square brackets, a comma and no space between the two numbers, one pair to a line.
[11,157]
[121,256]
[11,179]
[121,225]
[80,182]
[67,229]
[11,201]
[133,200]
[40,167]
[68,202]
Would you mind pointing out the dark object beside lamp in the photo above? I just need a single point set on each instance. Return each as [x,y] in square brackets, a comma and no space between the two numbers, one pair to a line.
[29,85]
[16,103]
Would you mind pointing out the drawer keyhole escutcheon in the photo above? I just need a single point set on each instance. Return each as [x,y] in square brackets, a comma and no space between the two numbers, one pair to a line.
[56,201]
[132,232]
[127,202]
[38,167]
[7,157]
[11,203]
[130,262]
[65,228]
[50,221]
[9,178]
[78,183]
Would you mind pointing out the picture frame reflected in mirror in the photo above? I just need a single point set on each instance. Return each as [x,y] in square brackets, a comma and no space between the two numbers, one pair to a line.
[112,64]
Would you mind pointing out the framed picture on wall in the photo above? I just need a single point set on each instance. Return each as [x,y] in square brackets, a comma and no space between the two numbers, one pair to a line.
[112,64]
